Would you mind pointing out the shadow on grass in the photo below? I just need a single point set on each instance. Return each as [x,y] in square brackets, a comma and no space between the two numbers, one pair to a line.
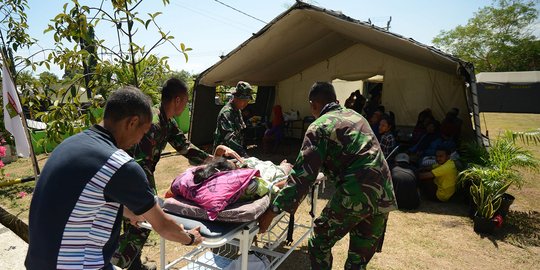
[297,260]
[452,208]
[521,229]
[10,195]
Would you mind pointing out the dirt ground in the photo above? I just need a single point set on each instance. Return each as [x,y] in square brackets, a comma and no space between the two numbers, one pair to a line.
[435,236]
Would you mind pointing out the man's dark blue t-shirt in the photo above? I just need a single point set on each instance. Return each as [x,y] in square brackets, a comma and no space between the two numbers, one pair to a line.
[76,208]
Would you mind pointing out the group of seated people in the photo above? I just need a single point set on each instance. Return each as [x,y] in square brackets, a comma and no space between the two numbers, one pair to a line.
[436,182]
[382,123]
[429,134]
[429,164]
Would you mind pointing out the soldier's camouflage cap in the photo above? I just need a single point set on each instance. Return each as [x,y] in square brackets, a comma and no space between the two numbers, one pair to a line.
[243,90]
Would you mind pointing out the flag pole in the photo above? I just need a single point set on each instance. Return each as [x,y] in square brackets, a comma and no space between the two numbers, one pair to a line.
[35,164]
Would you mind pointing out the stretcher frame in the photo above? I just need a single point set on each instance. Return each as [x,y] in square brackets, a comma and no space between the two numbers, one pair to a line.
[239,242]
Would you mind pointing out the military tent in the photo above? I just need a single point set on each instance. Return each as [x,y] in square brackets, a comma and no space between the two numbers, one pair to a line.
[306,44]
[512,92]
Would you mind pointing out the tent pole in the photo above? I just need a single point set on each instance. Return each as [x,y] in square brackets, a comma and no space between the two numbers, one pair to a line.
[476,113]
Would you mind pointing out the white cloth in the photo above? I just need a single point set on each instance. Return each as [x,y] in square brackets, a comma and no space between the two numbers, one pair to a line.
[12,110]
[269,171]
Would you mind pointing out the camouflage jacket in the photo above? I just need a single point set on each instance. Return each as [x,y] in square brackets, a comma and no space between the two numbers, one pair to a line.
[342,145]
[229,129]
[148,151]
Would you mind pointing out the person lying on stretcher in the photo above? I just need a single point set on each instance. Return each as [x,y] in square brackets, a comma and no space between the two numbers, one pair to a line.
[216,185]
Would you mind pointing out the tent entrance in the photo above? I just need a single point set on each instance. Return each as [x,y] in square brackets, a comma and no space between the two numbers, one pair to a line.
[370,89]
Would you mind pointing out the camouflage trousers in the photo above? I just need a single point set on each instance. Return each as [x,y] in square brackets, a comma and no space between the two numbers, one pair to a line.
[364,229]
[130,245]
[132,240]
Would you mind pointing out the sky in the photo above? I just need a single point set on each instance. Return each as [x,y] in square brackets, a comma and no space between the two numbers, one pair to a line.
[212,29]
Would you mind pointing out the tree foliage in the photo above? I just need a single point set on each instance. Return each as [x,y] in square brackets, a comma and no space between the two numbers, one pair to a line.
[78,24]
[93,66]
[497,38]
[13,29]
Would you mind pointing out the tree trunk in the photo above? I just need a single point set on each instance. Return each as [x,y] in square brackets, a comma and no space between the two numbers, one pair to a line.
[14,224]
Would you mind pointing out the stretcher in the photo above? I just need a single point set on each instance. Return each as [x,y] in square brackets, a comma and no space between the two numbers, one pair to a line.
[228,242]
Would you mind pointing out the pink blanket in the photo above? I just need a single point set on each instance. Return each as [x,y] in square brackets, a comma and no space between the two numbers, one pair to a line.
[218,191]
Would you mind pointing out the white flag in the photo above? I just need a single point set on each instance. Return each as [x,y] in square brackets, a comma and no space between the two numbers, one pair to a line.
[12,119]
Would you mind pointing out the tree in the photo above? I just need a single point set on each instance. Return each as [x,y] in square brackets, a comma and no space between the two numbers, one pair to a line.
[184,76]
[47,80]
[497,38]
[13,29]
[79,24]
[77,43]
[26,82]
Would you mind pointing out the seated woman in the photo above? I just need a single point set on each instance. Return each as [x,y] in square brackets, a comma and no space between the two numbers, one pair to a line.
[274,133]
[432,133]
[388,141]
[374,122]
[424,118]
[451,125]
[220,182]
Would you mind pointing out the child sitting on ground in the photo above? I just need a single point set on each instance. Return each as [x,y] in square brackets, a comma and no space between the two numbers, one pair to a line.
[439,183]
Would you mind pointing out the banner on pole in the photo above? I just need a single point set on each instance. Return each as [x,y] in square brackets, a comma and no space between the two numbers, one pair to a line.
[12,110]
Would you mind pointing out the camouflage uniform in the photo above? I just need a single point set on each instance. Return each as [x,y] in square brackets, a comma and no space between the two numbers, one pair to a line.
[147,154]
[230,123]
[342,145]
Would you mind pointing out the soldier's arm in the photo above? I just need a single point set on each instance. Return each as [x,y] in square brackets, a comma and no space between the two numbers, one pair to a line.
[143,151]
[184,147]
[305,170]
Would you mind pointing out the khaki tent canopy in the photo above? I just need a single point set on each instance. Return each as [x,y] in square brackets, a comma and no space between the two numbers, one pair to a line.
[306,44]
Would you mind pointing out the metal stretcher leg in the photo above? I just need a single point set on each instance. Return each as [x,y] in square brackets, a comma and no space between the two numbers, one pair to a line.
[162,253]
[244,248]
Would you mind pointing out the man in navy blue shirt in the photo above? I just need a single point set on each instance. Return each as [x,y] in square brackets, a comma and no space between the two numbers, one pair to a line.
[86,186]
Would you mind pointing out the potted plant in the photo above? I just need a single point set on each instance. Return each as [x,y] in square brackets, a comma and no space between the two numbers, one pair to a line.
[508,157]
[472,154]
[487,202]
[493,172]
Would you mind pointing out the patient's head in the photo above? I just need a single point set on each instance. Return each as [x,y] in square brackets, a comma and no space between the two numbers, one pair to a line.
[206,171]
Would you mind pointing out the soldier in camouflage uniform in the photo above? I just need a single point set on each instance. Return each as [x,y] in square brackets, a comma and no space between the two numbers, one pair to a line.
[147,153]
[230,123]
[341,144]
